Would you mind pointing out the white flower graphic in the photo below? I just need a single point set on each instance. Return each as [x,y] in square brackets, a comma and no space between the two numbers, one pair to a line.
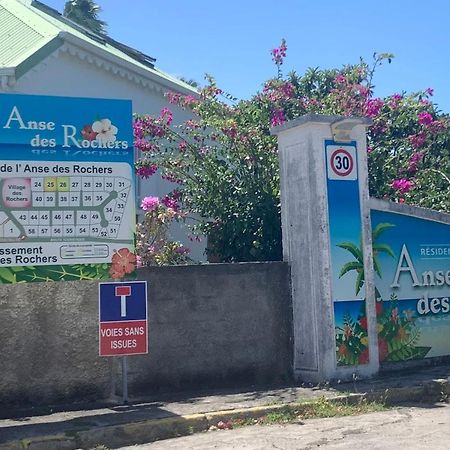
[106,131]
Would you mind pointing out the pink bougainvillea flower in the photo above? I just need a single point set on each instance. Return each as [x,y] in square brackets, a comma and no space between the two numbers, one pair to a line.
[172,178]
[173,97]
[146,171]
[417,140]
[414,160]
[340,78]
[170,202]
[123,262]
[182,250]
[373,107]
[424,102]
[403,185]
[437,126]
[166,116]
[395,100]
[150,203]
[279,53]
[277,117]
[429,91]
[287,89]
[145,146]
[425,118]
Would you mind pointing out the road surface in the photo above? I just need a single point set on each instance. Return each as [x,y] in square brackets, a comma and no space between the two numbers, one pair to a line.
[415,427]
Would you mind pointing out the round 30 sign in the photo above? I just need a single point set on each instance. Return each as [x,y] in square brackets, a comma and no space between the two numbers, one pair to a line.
[341,162]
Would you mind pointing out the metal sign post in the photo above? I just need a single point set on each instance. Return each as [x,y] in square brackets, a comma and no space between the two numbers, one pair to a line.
[124,380]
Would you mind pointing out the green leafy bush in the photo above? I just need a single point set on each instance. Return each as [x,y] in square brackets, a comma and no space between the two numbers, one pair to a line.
[225,160]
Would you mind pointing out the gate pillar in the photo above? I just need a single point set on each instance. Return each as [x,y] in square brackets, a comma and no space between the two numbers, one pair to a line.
[327,242]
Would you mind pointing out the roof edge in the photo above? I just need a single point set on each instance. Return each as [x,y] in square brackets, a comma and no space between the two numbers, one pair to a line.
[153,75]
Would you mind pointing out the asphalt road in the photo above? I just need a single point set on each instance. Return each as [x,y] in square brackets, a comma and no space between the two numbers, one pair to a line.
[415,427]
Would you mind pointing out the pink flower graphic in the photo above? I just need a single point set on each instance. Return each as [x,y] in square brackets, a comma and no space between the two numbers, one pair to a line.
[122,263]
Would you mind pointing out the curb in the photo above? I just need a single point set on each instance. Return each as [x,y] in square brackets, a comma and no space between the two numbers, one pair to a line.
[158,429]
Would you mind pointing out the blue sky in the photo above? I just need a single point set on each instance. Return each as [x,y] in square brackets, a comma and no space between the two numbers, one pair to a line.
[232,40]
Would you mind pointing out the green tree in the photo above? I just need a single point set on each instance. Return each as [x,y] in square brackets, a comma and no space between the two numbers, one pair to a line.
[85,13]
[226,164]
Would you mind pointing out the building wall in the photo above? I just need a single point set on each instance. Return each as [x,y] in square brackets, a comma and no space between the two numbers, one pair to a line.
[63,74]
[209,326]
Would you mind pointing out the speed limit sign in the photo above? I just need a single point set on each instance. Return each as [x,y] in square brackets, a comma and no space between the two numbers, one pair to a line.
[341,162]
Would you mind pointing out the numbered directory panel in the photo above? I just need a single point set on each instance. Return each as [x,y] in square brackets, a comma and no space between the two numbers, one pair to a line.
[66,187]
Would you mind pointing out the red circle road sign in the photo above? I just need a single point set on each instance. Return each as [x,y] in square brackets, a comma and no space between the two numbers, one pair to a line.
[341,162]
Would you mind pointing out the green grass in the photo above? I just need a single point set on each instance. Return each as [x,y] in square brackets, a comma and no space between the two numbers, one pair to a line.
[320,408]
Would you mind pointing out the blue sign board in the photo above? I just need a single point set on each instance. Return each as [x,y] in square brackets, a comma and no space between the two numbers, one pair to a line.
[67,188]
[110,301]
[123,318]
[344,213]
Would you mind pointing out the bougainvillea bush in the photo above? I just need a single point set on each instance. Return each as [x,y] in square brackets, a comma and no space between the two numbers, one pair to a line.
[153,245]
[224,161]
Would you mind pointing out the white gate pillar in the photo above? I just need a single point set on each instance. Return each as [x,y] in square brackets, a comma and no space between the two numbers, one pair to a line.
[325,203]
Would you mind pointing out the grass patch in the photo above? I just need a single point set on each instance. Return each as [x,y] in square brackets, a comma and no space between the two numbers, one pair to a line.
[320,408]
[325,408]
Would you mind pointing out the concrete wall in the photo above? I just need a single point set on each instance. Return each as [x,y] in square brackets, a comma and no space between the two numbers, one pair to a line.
[211,325]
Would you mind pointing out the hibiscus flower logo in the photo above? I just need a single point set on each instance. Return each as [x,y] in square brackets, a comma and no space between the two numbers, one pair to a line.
[122,263]
[106,131]
[102,131]
[88,133]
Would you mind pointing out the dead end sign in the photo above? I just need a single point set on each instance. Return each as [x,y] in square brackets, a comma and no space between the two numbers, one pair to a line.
[123,318]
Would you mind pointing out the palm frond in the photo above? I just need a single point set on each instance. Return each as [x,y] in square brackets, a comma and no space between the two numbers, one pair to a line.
[352,265]
[384,248]
[353,249]
[376,267]
[379,229]
[359,282]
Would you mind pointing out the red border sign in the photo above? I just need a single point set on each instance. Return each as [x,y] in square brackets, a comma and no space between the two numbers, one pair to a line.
[123,318]
[350,159]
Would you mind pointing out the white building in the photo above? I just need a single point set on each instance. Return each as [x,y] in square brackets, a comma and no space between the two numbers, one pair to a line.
[43,53]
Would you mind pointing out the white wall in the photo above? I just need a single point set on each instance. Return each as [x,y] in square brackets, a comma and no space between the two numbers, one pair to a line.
[63,74]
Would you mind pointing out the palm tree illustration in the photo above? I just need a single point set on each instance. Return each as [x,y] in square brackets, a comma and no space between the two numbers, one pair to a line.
[357,252]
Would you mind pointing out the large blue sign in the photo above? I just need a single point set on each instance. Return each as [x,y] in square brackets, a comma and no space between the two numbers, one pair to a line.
[347,260]
[67,200]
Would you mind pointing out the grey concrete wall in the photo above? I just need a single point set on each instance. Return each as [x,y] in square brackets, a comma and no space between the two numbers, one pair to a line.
[209,326]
